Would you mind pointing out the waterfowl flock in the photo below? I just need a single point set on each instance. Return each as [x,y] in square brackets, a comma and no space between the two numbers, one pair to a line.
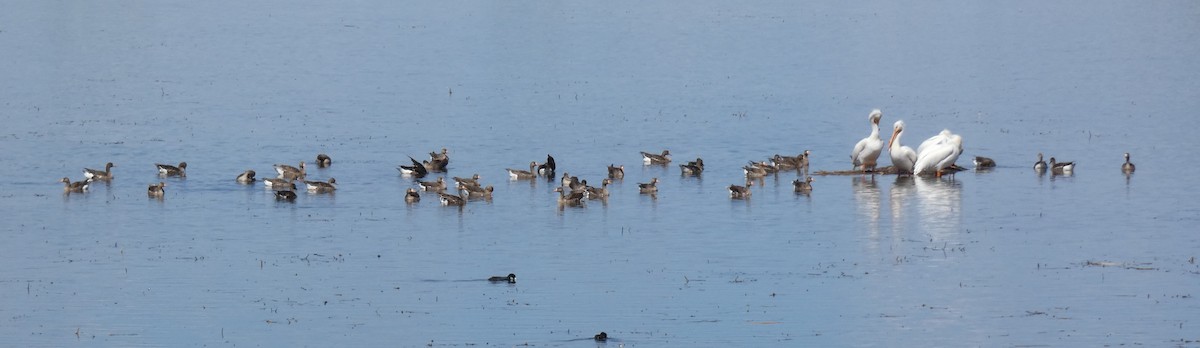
[936,156]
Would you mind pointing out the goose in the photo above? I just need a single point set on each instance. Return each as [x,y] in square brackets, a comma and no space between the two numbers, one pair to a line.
[170,170]
[517,174]
[741,192]
[693,168]
[984,162]
[649,158]
[616,172]
[598,193]
[246,177]
[754,172]
[411,196]
[1061,167]
[415,170]
[1128,166]
[321,186]
[452,200]
[568,180]
[510,278]
[547,169]
[279,184]
[78,186]
[323,160]
[156,190]
[437,185]
[867,150]
[802,161]
[802,186]
[903,157]
[650,187]
[474,190]
[473,180]
[93,174]
[573,198]
[1040,165]
[290,172]
[285,195]
[437,161]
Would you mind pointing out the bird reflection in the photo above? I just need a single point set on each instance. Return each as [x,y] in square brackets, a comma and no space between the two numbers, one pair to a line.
[897,198]
[939,201]
[866,194]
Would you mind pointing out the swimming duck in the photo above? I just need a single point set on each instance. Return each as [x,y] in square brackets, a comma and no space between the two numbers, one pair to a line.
[616,172]
[246,177]
[156,190]
[99,175]
[649,158]
[867,150]
[416,169]
[1061,167]
[510,278]
[741,192]
[437,185]
[517,174]
[984,162]
[411,196]
[802,186]
[170,170]
[650,187]
[1127,167]
[321,186]
[693,167]
[285,195]
[602,336]
[290,172]
[323,160]
[78,186]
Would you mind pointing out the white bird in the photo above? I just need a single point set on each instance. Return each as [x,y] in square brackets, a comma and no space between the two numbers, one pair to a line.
[938,156]
[903,157]
[940,138]
[867,151]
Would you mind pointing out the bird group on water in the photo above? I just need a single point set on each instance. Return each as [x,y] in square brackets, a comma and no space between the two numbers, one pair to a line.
[935,156]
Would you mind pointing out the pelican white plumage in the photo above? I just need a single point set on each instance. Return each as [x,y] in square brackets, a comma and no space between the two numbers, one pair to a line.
[939,155]
[903,157]
[940,138]
[866,152]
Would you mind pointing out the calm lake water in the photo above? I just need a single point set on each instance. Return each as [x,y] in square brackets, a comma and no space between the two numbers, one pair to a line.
[1003,257]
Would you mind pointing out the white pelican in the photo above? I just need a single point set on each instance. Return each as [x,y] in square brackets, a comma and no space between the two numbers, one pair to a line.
[938,156]
[867,151]
[940,138]
[903,157]
[1127,167]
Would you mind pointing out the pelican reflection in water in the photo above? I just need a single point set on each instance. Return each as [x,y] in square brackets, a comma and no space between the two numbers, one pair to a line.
[939,204]
[867,197]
